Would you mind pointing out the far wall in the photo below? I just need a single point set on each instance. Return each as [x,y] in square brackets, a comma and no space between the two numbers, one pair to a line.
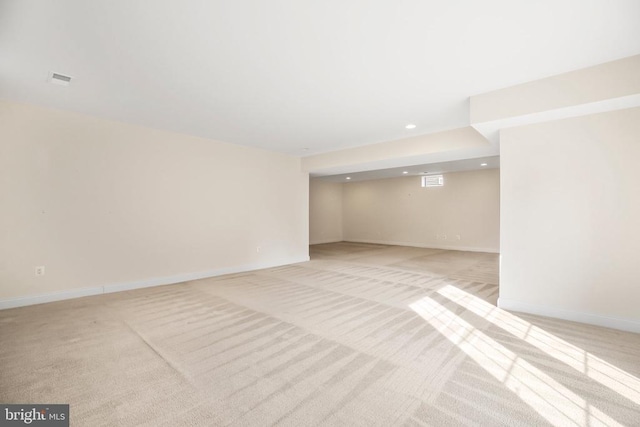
[464,214]
[325,212]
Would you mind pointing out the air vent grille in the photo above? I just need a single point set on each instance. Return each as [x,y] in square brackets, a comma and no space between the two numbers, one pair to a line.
[59,79]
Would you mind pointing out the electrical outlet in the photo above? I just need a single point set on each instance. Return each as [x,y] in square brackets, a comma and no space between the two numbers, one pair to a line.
[257,249]
[40,270]
[457,237]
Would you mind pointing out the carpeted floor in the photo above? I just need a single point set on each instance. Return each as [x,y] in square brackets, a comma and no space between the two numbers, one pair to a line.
[363,335]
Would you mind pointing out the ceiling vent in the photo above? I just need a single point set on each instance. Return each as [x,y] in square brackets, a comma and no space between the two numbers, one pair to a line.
[59,79]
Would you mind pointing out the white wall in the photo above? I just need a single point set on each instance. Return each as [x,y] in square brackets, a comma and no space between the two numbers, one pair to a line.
[399,211]
[325,212]
[570,219]
[102,203]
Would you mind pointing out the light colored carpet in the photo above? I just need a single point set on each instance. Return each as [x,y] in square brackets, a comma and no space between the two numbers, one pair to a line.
[363,335]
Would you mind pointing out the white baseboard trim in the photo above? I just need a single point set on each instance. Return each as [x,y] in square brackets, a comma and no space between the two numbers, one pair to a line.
[157,281]
[424,245]
[49,297]
[322,242]
[622,324]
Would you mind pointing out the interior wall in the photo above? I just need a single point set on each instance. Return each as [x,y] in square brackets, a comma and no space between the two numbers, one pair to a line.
[102,203]
[463,214]
[325,211]
[570,228]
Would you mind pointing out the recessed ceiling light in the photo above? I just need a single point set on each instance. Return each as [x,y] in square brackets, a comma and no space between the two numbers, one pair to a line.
[410,126]
[483,164]
[348,177]
[405,172]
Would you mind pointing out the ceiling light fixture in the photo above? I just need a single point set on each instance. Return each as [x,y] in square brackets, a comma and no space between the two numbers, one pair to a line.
[410,126]
[348,177]
[405,172]
[483,164]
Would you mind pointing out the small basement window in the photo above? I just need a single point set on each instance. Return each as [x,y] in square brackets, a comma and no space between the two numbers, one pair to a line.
[433,181]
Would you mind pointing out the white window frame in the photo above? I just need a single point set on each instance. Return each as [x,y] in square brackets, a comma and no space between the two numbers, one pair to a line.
[432,181]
